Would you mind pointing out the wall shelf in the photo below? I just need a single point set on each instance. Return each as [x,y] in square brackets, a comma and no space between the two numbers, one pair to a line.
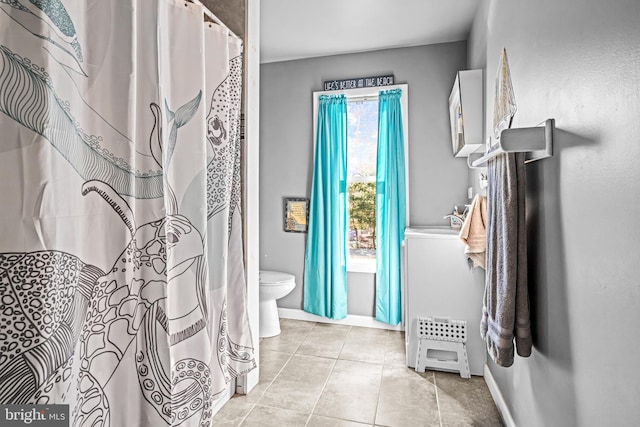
[536,141]
[465,113]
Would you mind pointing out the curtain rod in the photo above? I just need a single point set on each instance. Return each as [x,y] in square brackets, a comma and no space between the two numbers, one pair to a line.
[213,17]
[362,98]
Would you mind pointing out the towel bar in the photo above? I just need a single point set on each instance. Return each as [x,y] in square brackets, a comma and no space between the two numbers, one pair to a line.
[537,141]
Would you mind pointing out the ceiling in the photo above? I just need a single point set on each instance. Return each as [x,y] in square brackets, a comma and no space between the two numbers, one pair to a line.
[295,29]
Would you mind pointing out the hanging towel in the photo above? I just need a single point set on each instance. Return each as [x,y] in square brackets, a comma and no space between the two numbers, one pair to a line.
[505,312]
[474,231]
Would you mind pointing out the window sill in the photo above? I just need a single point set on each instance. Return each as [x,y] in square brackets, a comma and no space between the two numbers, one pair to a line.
[362,266]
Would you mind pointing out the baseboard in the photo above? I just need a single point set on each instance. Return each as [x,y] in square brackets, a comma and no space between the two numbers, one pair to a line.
[350,320]
[501,404]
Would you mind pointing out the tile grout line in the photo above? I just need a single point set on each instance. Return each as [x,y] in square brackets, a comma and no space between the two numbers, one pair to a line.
[276,408]
[435,384]
[335,361]
[265,389]
[305,337]
[384,362]
[247,414]
[344,342]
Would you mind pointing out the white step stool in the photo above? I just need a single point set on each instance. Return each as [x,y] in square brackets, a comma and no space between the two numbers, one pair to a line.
[445,335]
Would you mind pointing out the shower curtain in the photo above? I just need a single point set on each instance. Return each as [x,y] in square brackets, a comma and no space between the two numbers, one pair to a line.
[122,289]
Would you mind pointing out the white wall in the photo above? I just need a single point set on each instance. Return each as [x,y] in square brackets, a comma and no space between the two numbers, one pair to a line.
[437,180]
[577,61]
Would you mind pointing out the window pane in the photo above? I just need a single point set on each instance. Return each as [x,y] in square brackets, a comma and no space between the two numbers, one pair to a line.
[362,141]
[362,219]
[362,138]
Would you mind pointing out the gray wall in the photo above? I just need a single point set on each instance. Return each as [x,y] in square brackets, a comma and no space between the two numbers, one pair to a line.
[577,61]
[231,12]
[437,180]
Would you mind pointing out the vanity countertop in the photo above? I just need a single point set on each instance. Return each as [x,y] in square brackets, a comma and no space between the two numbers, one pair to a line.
[432,231]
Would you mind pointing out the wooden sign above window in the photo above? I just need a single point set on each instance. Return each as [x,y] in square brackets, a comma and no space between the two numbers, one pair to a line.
[358,82]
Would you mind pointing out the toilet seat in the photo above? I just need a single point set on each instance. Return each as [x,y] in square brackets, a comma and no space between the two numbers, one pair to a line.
[275,278]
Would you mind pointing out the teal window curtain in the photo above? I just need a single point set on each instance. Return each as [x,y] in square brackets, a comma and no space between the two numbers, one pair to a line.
[325,272]
[390,206]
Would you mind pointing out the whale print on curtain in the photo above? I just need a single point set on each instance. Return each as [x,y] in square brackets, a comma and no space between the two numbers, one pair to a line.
[121,278]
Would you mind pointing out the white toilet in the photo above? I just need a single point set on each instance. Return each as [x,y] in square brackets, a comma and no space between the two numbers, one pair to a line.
[273,285]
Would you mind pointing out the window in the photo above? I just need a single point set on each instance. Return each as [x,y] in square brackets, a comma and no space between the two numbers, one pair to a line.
[362,142]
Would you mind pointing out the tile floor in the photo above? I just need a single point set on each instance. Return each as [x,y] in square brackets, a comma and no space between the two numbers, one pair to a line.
[325,375]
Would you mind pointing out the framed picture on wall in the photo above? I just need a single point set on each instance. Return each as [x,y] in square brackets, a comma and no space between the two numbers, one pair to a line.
[296,215]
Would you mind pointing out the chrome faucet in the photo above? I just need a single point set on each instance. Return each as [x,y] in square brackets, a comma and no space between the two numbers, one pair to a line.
[456,221]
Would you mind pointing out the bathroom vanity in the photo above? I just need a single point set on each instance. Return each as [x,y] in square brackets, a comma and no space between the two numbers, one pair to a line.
[437,282]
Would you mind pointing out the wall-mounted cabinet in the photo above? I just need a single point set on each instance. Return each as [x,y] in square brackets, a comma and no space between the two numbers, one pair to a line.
[465,112]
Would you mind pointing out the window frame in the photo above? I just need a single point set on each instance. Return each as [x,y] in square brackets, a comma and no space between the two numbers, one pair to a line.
[369,266]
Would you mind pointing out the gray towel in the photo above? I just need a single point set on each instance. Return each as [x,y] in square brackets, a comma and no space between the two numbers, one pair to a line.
[505,313]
